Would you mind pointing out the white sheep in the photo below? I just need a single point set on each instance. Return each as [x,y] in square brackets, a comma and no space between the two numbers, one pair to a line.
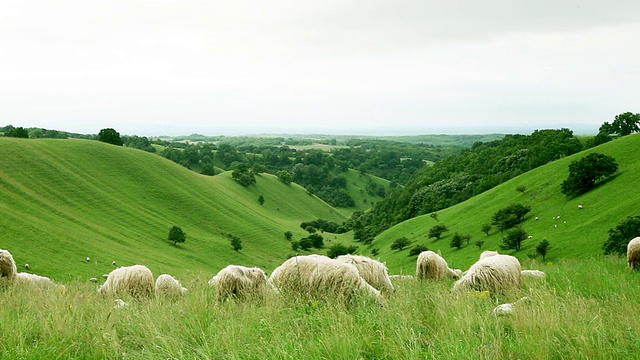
[33,279]
[372,271]
[169,286]
[433,266]
[240,282]
[486,254]
[113,263]
[509,308]
[633,254]
[93,280]
[321,277]
[401,277]
[580,206]
[533,273]
[136,280]
[492,273]
[8,268]
[88,259]
[26,266]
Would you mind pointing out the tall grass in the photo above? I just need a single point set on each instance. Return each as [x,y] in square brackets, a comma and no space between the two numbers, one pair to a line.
[584,309]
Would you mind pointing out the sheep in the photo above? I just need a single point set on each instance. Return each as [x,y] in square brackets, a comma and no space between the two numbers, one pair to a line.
[633,254]
[372,271]
[38,280]
[169,286]
[240,282]
[486,254]
[93,280]
[8,268]
[508,308]
[492,273]
[88,259]
[113,263]
[432,266]
[136,280]
[580,206]
[26,266]
[321,277]
[533,273]
[401,277]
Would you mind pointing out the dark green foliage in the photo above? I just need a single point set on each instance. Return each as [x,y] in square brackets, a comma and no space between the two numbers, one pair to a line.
[543,248]
[295,245]
[317,240]
[436,231]
[208,169]
[236,243]
[510,216]
[243,175]
[479,244]
[416,250]
[110,136]
[305,244]
[584,173]
[325,226]
[434,215]
[513,239]
[18,132]
[456,241]
[620,236]
[139,142]
[338,249]
[310,229]
[623,124]
[288,235]
[375,252]
[261,200]
[400,244]
[521,189]
[284,176]
[177,235]
[486,228]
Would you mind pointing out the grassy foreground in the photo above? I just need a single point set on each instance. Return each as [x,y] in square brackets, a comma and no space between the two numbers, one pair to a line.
[584,309]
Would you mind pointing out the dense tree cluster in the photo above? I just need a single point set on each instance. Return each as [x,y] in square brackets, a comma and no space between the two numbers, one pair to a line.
[620,236]
[584,173]
[469,173]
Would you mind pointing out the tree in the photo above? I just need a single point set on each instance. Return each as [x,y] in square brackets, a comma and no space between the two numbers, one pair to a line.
[479,244]
[208,169]
[295,245]
[288,235]
[543,248]
[514,239]
[400,244]
[456,241]
[338,249]
[18,132]
[623,124]
[509,216]
[177,235]
[584,173]
[284,176]
[620,236]
[434,215]
[306,244]
[521,189]
[316,240]
[375,252]
[243,175]
[437,230]
[110,136]
[486,228]
[260,199]
[310,229]
[236,243]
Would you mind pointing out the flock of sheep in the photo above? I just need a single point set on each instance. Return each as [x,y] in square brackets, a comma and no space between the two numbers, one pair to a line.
[317,276]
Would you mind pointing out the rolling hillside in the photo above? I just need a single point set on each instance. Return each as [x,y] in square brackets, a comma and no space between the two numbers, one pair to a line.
[573,233]
[65,200]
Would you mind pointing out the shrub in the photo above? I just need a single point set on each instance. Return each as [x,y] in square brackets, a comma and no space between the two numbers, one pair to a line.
[338,249]
[416,250]
[584,173]
[437,230]
[400,244]
[620,236]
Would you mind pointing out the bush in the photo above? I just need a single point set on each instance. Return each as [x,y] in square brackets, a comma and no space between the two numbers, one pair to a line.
[456,241]
[416,250]
[510,216]
[177,235]
[620,236]
[400,244]
[514,239]
[339,249]
[437,230]
[584,173]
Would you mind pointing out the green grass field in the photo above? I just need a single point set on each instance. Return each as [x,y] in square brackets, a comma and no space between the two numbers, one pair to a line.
[65,200]
[585,309]
[576,234]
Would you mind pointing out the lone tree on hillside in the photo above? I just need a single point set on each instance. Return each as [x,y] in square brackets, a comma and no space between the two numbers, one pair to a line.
[243,175]
[177,235]
[236,243]
[509,216]
[623,124]
[620,236]
[110,136]
[400,244]
[436,231]
[543,248]
[584,173]
[514,239]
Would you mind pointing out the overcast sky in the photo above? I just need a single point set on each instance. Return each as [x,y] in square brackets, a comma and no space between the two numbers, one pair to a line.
[160,67]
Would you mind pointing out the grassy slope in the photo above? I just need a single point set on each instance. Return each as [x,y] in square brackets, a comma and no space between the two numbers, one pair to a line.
[581,236]
[64,200]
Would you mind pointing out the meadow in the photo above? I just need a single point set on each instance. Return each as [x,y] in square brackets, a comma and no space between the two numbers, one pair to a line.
[573,314]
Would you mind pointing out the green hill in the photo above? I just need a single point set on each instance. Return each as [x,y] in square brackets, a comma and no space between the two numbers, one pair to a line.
[65,200]
[573,233]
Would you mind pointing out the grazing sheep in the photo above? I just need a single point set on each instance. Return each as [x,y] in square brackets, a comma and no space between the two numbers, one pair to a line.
[88,259]
[509,308]
[239,282]
[492,273]
[113,263]
[8,268]
[321,277]
[432,266]
[486,254]
[169,286]
[401,277]
[537,218]
[34,279]
[136,280]
[119,304]
[93,280]
[372,271]
[26,266]
[633,254]
[580,206]
[533,273]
